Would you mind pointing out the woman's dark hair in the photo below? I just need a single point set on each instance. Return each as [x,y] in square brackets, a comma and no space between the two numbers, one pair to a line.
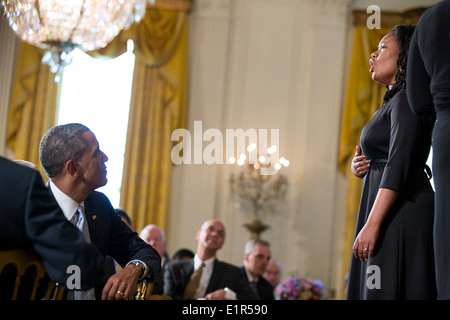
[403,34]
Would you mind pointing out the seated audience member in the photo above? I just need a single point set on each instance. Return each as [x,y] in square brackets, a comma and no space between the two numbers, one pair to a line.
[30,219]
[72,159]
[256,258]
[273,272]
[183,254]
[25,163]
[205,277]
[154,236]
[125,217]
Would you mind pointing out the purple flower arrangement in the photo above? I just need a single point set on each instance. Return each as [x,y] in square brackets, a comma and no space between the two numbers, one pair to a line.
[294,288]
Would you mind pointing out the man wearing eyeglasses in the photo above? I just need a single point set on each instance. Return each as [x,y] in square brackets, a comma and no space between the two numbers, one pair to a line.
[214,279]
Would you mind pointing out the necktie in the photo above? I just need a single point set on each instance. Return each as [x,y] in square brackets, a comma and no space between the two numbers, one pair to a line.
[79,220]
[193,283]
[254,286]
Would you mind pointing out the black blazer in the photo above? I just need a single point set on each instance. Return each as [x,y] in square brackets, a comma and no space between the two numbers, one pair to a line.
[30,219]
[177,275]
[114,238]
[265,289]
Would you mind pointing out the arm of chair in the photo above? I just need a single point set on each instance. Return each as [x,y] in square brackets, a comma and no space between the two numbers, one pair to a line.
[144,290]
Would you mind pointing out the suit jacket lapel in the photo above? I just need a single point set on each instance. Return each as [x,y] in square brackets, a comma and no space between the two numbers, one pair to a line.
[187,272]
[93,223]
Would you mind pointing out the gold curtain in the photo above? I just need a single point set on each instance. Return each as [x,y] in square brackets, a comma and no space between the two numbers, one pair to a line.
[363,97]
[33,105]
[158,106]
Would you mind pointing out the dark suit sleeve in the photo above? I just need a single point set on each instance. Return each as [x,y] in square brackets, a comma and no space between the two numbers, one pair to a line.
[56,240]
[176,277]
[265,289]
[417,79]
[428,71]
[241,286]
[126,245]
[230,276]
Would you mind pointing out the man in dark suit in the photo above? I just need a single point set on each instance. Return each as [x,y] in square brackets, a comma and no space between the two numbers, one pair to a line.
[154,236]
[72,159]
[218,280]
[30,219]
[256,257]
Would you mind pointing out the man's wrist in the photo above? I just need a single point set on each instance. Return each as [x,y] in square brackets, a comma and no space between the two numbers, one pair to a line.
[145,269]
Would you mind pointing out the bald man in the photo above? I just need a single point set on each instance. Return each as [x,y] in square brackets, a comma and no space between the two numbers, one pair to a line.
[218,281]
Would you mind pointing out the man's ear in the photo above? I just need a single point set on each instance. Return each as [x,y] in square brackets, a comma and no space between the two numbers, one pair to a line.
[71,167]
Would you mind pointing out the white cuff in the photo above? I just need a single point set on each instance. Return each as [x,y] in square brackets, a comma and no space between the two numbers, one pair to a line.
[139,263]
[230,294]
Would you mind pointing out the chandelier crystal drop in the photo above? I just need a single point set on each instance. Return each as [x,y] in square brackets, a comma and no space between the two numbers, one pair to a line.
[60,26]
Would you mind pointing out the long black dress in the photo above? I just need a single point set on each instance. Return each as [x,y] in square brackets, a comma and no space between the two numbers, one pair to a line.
[398,143]
[428,78]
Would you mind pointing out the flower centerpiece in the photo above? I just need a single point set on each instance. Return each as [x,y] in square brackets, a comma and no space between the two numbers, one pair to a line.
[295,288]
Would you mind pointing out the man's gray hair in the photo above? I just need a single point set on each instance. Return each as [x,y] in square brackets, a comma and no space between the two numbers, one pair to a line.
[250,245]
[142,233]
[61,144]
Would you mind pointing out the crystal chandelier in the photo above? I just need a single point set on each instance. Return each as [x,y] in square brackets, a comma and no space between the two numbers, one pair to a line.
[60,26]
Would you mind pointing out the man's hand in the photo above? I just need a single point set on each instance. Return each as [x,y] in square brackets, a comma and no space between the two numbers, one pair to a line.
[216,295]
[123,284]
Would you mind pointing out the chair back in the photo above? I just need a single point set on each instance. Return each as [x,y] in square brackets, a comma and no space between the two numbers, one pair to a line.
[23,277]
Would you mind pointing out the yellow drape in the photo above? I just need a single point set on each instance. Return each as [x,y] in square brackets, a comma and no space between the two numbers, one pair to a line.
[158,106]
[33,104]
[363,98]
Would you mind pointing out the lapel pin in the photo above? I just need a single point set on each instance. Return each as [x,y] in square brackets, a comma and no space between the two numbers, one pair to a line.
[94,217]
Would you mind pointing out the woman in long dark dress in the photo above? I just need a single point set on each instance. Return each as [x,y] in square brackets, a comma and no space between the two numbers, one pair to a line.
[393,247]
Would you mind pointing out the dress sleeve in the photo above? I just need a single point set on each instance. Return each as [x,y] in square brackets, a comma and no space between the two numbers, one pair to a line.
[405,128]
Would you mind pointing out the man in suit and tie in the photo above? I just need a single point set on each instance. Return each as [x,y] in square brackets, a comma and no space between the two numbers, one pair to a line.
[154,236]
[72,159]
[256,257]
[30,219]
[215,280]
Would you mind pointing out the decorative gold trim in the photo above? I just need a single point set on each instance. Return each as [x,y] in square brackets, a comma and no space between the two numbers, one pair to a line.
[390,18]
[183,5]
